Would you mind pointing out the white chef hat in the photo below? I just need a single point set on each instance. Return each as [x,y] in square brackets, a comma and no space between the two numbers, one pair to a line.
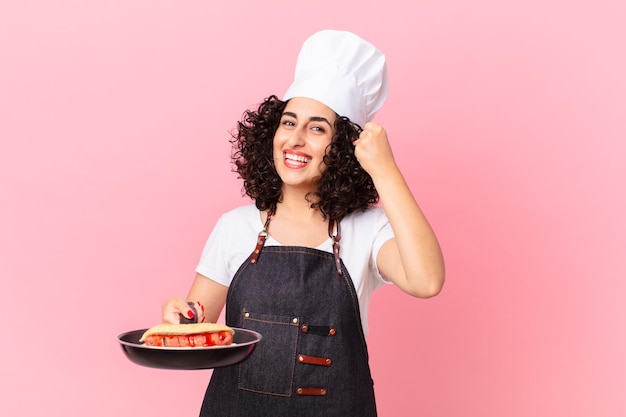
[342,71]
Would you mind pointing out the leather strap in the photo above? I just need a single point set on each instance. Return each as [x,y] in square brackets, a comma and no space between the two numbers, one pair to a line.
[336,237]
[314,360]
[260,242]
[320,392]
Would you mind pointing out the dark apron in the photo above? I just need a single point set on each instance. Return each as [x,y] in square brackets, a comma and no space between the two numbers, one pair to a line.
[312,359]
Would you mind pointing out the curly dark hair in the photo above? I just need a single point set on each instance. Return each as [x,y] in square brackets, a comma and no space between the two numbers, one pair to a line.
[344,186]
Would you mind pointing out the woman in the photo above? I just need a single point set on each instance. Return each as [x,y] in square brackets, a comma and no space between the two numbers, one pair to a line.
[300,264]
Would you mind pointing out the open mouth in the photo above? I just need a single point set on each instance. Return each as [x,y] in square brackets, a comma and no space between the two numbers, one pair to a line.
[296,160]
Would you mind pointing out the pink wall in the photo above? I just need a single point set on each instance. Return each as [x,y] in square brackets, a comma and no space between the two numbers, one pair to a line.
[507,117]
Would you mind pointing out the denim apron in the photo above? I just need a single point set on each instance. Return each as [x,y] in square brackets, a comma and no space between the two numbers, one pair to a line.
[312,360]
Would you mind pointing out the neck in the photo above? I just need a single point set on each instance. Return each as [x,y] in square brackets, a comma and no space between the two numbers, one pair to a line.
[297,209]
[295,223]
[295,201]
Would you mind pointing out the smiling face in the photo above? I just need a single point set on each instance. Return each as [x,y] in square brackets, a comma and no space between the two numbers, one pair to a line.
[304,132]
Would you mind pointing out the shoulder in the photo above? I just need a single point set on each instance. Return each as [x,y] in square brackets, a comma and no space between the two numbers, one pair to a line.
[242,211]
[374,216]
[367,229]
[238,222]
[230,243]
[248,213]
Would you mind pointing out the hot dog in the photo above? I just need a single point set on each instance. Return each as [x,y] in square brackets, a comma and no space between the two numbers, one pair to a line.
[188,335]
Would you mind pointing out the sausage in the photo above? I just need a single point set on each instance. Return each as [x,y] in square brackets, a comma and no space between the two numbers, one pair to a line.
[221,338]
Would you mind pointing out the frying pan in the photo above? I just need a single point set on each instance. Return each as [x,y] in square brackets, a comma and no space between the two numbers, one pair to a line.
[185,358]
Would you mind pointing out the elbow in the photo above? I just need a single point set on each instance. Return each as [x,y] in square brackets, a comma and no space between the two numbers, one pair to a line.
[432,291]
[427,278]
[428,287]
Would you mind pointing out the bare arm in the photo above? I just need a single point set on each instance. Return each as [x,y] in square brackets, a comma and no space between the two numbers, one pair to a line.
[207,292]
[413,259]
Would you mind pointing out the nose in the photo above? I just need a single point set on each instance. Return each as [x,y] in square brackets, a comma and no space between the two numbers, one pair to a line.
[297,137]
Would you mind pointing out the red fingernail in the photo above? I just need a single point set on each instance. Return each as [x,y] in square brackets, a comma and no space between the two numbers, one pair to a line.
[190,314]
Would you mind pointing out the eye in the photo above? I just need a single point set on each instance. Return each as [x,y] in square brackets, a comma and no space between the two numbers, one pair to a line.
[319,129]
[287,122]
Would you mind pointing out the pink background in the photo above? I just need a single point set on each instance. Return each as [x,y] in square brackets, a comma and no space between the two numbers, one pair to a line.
[508,118]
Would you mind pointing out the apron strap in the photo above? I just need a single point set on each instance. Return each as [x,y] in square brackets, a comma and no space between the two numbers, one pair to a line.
[334,231]
[260,242]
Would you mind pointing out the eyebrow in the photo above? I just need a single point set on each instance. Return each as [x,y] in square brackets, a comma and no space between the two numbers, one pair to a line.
[311,119]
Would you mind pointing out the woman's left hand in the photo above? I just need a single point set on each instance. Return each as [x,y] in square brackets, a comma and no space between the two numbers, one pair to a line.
[373,151]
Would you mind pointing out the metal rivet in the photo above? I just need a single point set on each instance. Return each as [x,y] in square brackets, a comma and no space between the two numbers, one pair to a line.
[323,391]
[299,390]
[332,331]
[295,320]
[329,361]
[300,358]
[246,314]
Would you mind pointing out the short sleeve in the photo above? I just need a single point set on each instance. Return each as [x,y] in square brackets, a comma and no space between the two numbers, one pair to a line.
[230,243]
[383,233]
[213,262]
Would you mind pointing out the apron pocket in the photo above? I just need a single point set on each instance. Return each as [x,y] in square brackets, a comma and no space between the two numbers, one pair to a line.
[270,369]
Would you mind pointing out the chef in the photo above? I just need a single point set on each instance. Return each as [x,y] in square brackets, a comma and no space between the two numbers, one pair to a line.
[332,220]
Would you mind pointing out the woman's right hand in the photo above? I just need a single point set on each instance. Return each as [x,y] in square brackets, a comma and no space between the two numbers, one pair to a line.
[208,298]
[175,307]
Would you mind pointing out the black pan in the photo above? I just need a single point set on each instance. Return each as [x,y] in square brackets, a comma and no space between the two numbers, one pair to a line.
[244,342]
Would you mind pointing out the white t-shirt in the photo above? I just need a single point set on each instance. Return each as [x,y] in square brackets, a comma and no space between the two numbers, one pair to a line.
[362,234]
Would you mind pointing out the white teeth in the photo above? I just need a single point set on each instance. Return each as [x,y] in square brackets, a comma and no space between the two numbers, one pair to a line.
[296,158]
